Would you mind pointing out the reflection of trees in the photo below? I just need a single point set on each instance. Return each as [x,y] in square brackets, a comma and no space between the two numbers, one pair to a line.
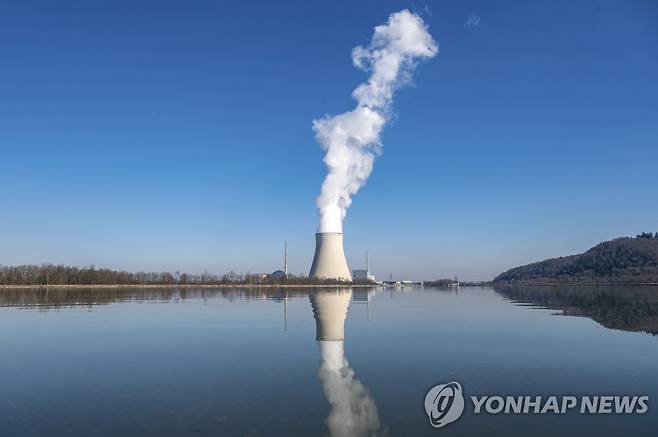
[45,298]
[625,308]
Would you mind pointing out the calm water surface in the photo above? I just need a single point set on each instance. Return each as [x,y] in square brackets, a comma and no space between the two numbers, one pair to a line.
[333,362]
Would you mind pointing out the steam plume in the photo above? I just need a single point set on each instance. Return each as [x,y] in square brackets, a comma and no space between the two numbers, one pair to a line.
[352,139]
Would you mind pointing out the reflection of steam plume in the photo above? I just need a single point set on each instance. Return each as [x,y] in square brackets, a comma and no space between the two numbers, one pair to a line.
[351,139]
[353,410]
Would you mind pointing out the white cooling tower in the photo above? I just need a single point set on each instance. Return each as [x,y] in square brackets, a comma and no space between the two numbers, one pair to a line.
[329,260]
[330,311]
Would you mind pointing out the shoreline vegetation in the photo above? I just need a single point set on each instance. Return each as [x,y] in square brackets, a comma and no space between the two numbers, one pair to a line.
[60,276]
[174,286]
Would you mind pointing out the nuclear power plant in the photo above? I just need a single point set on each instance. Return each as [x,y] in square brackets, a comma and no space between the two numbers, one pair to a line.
[329,260]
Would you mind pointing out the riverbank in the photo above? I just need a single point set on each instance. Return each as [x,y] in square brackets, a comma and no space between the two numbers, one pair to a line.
[113,286]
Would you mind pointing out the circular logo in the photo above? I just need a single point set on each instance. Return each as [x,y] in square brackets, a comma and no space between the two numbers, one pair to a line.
[444,404]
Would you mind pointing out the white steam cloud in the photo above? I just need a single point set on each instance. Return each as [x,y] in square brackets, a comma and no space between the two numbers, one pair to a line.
[352,139]
[353,410]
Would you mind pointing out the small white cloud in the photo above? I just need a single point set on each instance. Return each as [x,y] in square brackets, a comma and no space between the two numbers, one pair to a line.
[473,20]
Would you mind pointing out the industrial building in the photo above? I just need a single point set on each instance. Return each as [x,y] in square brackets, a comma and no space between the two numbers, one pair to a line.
[365,274]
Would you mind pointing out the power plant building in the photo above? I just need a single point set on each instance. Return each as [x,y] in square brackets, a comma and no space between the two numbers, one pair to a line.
[329,260]
[363,275]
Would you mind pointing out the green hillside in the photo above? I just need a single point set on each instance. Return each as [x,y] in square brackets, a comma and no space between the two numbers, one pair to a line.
[619,261]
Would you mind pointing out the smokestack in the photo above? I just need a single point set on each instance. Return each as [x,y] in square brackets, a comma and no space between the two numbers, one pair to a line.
[329,260]
[285,258]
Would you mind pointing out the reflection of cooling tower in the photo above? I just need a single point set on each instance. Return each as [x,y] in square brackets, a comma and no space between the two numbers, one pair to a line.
[329,259]
[330,311]
[353,410]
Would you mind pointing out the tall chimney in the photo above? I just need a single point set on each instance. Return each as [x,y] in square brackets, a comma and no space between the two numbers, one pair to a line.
[285,258]
[329,260]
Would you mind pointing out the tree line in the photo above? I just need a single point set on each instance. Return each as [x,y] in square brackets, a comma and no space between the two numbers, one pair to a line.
[49,274]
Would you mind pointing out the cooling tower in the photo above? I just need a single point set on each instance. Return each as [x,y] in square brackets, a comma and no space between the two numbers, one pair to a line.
[329,259]
[330,311]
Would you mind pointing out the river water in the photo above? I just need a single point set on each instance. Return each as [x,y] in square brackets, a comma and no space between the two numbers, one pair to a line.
[226,362]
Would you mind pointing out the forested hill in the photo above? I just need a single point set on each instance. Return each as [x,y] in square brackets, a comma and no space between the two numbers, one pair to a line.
[619,261]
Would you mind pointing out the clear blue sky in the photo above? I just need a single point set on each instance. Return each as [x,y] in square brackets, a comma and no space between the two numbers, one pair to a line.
[177,135]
